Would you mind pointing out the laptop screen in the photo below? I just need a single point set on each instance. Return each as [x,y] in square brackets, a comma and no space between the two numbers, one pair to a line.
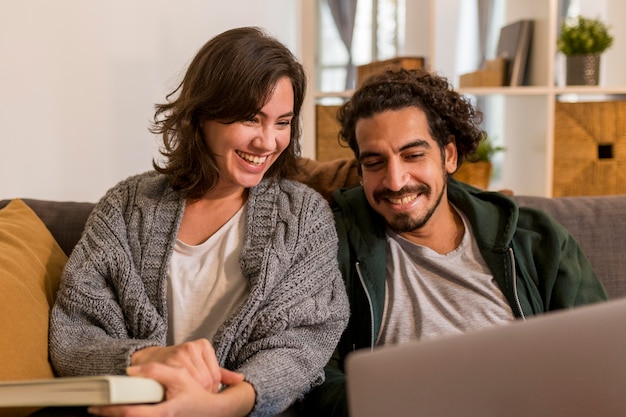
[566,363]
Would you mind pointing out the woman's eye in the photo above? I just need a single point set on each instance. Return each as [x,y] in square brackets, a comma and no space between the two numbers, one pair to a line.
[251,121]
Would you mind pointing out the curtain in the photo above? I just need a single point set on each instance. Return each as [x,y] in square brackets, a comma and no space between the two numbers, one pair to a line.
[344,13]
[563,9]
[485,16]
[485,25]
[559,66]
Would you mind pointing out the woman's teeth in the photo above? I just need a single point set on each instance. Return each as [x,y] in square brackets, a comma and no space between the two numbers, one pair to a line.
[256,160]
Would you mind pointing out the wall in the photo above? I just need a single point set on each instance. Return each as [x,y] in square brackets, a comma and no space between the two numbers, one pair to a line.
[79,79]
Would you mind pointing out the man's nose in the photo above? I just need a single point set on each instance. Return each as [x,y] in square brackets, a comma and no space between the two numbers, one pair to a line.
[395,177]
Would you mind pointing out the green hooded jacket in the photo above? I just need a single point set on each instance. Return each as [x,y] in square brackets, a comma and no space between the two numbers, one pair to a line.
[535,261]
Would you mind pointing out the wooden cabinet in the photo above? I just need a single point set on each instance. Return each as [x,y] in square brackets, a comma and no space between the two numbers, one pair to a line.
[590,148]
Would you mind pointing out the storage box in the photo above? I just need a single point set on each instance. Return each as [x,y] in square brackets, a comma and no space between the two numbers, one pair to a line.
[327,134]
[476,173]
[493,75]
[590,148]
[367,70]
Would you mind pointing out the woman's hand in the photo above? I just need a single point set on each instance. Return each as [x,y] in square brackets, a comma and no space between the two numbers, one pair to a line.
[184,396]
[197,356]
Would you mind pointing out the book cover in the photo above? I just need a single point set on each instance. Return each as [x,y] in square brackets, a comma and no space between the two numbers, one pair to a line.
[80,391]
[514,46]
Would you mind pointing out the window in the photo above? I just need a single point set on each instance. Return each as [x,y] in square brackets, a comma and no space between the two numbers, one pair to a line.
[378,34]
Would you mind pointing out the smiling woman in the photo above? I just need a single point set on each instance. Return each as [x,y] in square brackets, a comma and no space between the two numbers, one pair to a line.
[187,273]
[229,81]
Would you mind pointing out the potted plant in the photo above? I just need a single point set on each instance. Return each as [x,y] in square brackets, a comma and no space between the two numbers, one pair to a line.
[582,40]
[476,169]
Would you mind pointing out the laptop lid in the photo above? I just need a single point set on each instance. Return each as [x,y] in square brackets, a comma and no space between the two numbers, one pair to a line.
[566,363]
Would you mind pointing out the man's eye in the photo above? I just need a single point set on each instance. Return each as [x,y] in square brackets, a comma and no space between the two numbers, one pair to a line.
[371,164]
[414,156]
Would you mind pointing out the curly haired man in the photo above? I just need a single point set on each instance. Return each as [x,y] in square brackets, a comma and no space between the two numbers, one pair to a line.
[424,255]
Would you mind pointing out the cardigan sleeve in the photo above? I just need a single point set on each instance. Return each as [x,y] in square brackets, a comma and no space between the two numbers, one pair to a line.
[104,311]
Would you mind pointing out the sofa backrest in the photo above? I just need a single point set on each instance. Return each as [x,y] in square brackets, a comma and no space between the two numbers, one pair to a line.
[65,219]
[598,223]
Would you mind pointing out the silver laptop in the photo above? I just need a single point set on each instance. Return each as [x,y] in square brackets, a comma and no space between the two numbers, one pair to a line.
[567,363]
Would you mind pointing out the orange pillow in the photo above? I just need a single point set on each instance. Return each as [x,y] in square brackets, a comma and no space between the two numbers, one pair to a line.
[31,263]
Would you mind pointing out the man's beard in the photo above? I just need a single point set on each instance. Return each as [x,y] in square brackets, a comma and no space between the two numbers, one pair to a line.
[403,222]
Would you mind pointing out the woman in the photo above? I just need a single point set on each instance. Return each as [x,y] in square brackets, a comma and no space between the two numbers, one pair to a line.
[211,274]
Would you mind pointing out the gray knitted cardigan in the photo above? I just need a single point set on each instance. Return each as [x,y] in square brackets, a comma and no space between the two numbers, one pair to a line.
[112,302]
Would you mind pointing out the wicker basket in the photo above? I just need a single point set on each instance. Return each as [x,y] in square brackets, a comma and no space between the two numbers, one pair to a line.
[327,146]
[590,148]
[367,70]
[477,174]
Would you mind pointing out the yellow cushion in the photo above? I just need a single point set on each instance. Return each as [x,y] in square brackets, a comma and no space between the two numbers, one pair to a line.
[31,263]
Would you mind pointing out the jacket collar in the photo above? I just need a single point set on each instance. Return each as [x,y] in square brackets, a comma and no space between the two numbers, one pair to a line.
[493,215]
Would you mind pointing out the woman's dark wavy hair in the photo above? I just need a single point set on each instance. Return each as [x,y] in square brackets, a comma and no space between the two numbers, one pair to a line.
[449,114]
[229,80]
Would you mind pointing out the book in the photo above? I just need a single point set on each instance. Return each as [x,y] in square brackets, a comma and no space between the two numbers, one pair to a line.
[80,391]
[514,46]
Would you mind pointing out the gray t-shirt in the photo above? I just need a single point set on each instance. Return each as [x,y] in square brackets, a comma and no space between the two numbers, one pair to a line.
[430,294]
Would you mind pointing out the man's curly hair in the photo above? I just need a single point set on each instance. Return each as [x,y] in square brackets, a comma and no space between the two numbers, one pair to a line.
[450,115]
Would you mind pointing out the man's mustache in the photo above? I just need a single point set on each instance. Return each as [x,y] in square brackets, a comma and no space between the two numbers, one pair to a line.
[414,189]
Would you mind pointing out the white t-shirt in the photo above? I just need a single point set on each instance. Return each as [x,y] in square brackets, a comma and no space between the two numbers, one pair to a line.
[429,294]
[205,283]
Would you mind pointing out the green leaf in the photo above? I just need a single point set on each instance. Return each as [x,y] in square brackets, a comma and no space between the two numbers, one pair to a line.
[582,35]
[485,151]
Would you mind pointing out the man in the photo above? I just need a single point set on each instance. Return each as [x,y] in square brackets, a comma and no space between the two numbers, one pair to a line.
[423,255]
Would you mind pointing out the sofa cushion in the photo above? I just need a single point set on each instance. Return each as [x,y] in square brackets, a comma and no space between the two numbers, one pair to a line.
[31,263]
[598,224]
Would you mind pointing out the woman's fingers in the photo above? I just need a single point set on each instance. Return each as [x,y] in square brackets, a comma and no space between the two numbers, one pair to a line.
[230,377]
[174,379]
[197,357]
[202,356]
